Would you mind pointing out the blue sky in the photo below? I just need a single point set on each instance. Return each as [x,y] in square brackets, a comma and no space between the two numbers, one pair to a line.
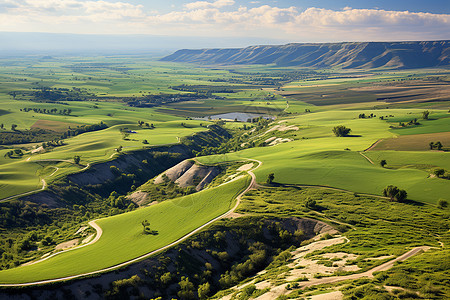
[284,20]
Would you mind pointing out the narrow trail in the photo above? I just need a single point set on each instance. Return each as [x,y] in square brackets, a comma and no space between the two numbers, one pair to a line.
[44,185]
[373,145]
[96,238]
[99,233]
[53,173]
[368,159]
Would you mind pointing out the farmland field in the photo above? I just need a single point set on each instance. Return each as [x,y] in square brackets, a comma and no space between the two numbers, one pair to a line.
[106,120]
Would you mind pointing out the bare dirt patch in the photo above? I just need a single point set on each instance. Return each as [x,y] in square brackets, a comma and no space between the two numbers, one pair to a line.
[138,197]
[308,267]
[67,245]
[175,172]
[336,295]
[282,127]
[279,141]
[87,239]
[245,167]
[38,150]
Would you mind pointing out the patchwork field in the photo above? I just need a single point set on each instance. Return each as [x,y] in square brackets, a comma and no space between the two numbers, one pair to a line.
[140,103]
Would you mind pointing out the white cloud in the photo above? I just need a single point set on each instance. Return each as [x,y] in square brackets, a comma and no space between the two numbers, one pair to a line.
[206,4]
[222,18]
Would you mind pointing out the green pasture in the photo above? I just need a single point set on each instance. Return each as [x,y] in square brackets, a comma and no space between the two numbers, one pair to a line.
[19,175]
[123,237]
[317,157]
[426,126]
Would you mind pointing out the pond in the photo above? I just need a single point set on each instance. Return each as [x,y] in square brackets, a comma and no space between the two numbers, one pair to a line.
[239,116]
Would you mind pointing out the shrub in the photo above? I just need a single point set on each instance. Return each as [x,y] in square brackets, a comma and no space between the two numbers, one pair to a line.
[341,130]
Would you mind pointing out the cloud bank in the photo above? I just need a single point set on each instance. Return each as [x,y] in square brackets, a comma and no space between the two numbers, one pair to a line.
[222,18]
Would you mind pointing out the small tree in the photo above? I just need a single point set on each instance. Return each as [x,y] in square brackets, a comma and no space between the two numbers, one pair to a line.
[438,172]
[203,290]
[341,130]
[442,203]
[431,145]
[76,159]
[438,145]
[425,115]
[311,204]
[186,288]
[13,127]
[394,193]
[144,142]
[146,226]
[270,178]
[383,162]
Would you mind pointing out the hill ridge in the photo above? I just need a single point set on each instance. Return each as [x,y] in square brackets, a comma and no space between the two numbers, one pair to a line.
[346,55]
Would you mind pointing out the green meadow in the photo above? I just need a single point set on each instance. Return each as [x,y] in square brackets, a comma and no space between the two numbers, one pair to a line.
[312,107]
[123,238]
[317,157]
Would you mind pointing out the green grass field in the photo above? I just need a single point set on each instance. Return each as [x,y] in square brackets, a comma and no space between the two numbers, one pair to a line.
[314,156]
[320,158]
[122,237]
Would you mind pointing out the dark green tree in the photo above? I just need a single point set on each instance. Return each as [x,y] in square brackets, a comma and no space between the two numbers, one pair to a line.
[394,193]
[146,226]
[425,115]
[203,290]
[439,172]
[442,203]
[311,204]
[383,162]
[270,178]
[76,159]
[341,130]
[431,145]
[186,289]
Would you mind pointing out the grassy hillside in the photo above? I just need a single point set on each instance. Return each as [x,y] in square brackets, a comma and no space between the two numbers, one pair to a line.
[123,237]
[317,157]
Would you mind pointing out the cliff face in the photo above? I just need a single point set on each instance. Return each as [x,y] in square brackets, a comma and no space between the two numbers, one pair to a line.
[393,55]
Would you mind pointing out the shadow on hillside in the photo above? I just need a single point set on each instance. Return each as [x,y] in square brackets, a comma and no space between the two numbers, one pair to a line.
[412,202]
[353,135]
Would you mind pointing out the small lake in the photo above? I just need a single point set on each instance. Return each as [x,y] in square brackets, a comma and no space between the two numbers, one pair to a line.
[239,116]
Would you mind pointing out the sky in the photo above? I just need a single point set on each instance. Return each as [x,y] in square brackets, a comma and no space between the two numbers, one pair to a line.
[281,20]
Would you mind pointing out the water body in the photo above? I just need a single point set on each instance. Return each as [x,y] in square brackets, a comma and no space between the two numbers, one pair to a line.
[239,116]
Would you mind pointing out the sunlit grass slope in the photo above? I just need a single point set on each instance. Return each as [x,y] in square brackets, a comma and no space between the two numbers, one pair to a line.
[321,159]
[123,240]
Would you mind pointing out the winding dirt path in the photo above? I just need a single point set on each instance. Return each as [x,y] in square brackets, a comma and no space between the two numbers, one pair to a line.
[99,233]
[97,237]
[44,185]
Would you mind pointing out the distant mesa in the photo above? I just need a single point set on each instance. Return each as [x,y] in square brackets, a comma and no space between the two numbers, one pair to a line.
[349,55]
